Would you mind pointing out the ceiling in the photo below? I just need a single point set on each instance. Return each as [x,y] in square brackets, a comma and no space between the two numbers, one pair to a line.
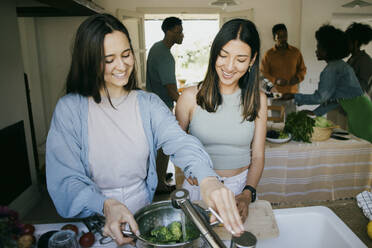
[48,8]
[41,8]
[44,8]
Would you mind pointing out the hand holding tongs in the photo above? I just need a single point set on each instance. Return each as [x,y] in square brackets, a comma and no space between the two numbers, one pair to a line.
[180,199]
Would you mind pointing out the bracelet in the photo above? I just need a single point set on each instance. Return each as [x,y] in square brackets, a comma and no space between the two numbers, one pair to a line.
[253,191]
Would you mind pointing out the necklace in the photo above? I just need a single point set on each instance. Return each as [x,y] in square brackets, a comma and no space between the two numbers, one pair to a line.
[120,100]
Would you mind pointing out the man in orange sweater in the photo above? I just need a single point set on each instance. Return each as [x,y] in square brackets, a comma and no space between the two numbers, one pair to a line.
[284,66]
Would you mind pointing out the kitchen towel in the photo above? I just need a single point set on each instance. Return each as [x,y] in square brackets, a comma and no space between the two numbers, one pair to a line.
[364,201]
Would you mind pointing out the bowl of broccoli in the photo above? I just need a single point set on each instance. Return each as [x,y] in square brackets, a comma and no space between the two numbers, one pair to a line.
[162,225]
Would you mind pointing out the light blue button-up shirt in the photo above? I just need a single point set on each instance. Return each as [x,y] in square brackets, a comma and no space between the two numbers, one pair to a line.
[337,81]
[69,179]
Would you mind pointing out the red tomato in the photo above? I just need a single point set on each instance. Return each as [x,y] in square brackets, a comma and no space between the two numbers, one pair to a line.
[28,229]
[71,227]
[87,240]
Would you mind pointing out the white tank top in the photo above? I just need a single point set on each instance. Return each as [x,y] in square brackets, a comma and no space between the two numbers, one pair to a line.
[225,137]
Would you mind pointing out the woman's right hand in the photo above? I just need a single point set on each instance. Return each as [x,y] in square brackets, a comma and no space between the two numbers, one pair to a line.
[116,215]
[220,198]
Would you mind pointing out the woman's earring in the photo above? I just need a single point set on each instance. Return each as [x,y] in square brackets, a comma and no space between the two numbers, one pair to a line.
[249,68]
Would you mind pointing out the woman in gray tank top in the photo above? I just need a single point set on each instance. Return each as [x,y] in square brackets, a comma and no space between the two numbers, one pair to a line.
[228,113]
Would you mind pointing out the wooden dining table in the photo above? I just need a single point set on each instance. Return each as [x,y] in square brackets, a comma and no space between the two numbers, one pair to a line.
[298,172]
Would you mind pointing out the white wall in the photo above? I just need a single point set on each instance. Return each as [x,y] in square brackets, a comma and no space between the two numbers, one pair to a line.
[55,40]
[46,47]
[32,69]
[13,96]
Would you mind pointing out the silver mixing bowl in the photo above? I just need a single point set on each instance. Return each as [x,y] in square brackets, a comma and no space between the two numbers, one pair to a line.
[162,214]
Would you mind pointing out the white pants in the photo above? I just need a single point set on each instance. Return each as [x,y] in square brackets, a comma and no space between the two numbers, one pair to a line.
[236,184]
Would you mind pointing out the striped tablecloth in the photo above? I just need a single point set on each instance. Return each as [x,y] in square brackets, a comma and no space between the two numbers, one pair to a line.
[305,172]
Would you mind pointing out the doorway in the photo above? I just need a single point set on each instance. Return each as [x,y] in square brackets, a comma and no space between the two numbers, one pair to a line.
[192,55]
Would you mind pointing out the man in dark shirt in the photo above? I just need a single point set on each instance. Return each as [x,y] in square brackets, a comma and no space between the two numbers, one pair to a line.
[160,75]
[161,79]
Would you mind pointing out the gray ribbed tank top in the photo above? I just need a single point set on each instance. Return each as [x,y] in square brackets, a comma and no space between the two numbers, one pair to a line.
[225,137]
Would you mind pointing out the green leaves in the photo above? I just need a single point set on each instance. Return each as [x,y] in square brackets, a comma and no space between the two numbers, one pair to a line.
[300,126]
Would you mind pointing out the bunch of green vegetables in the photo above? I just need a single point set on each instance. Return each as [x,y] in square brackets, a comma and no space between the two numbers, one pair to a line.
[172,234]
[300,126]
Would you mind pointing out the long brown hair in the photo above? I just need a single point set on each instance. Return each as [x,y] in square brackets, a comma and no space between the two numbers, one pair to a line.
[86,75]
[209,96]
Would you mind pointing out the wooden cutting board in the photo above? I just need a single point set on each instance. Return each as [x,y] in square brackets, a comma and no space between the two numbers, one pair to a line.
[261,222]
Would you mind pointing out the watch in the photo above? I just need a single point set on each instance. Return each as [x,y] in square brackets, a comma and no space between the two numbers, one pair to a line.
[253,191]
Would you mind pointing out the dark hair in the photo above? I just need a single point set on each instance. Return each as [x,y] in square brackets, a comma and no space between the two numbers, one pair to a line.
[86,75]
[333,41]
[359,32]
[209,96]
[169,23]
[278,27]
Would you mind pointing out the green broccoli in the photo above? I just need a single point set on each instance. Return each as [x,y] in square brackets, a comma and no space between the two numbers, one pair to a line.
[176,231]
[162,234]
[170,234]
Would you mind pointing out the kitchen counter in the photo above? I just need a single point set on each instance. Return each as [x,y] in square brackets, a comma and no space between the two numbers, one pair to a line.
[305,227]
[347,210]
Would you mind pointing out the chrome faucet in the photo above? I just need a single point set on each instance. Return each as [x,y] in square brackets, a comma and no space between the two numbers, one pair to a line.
[180,199]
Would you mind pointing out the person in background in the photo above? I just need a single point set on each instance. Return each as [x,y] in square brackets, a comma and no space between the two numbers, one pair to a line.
[161,80]
[228,113]
[359,34]
[284,66]
[104,134]
[338,85]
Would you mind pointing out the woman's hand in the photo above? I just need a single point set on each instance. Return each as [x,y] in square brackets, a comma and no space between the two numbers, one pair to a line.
[220,198]
[242,201]
[117,214]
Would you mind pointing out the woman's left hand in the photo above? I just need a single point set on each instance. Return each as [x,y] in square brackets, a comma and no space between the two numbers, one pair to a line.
[220,198]
[242,202]
[116,214]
